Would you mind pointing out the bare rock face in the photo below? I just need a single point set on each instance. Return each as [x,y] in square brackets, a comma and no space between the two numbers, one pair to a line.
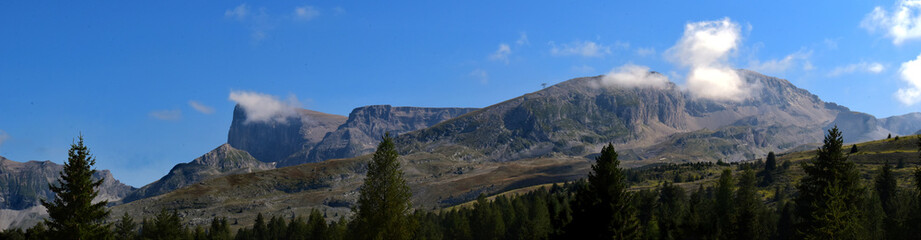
[576,117]
[276,141]
[367,125]
[903,124]
[24,184]
[223,160]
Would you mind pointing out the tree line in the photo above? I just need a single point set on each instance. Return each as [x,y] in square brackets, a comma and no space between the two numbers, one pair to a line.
[831,201]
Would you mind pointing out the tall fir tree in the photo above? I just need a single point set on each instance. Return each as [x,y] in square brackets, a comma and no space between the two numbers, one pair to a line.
[771,163]
[886,188]
[383,204]
[748,209]
[830,194]
[73,215]
[125,228]
[602,209]
[724,204]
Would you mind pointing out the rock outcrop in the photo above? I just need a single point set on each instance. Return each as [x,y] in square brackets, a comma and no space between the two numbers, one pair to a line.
[223,160]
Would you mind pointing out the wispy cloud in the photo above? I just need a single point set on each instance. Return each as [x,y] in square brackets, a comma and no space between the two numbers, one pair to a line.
[481,75]
[522,39]
[260,107]
[166,115]
[645,52]
[630,76]
[202,108]
[580,48]
[3,137]
[240,12]
[910,73]
[501,54]
[306,13]
[867,67]
[901,23]
[779,66]
[705,49]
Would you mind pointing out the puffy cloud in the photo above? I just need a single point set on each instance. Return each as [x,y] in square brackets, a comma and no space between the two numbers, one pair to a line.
[202,108]
[240,12]
[306,13]
[265,108]
[901,24]
[166,115]
[705,48]
[502,53]
[3,137]
[777,66]
[577,48]
[910,72]
[869,67]
[480,75]
[630,75]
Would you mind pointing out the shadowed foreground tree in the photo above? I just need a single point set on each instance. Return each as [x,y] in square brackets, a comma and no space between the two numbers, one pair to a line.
[383,204]
[602,209]
[830,194]
[73,215]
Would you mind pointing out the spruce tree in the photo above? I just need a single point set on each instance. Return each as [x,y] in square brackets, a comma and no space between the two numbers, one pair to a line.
[830,194]
[886,189]
[724,204]
[771,163]
[748,209]
[73,215]
[383,203]
[125,228]
[602,209]
[854,149]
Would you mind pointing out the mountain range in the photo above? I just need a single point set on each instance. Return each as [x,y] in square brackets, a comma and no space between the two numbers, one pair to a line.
[451,155]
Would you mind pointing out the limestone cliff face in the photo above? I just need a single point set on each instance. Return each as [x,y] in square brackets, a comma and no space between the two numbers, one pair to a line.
[223,160]
[276,141]
[366,125]
[577,116]
[23,184]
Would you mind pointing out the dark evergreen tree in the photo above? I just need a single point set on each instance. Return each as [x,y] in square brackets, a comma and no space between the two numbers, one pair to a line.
[830,194]
[125,228]
[670,210]
[771,163]
[166,225]
[72,213]
[37,232]
[602,209]
[749,209]
[886,189]
[854,149]
[724,206]
[317,226]
[383,203]
[219,229]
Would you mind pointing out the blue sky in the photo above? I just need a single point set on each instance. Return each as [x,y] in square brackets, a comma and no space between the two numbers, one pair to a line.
[149,84]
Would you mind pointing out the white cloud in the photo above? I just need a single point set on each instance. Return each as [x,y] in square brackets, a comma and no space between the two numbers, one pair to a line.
[705,49]
[901,24]
[630,75]
[778,66]
[166,115]
[502,53]
[583,48]
[3,137]
[306,13]
[240,12]
[260,107]
[523,39]
[202,108]
[645,52]
[480,75]
[868,67]
[910,73]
